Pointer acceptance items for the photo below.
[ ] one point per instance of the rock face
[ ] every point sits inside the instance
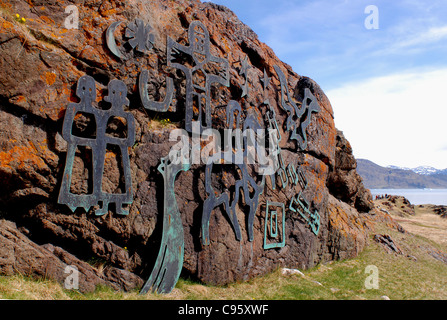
(344, 181)
(41, 61)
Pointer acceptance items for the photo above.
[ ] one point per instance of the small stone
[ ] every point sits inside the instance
(288, 272)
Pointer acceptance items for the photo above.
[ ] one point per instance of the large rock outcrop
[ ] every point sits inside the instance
(40, 63)
(344, 181)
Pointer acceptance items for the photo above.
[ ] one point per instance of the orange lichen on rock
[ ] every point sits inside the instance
(108, 12)
(50, 78)
(19, 157)
(7, 25)
(47, 20)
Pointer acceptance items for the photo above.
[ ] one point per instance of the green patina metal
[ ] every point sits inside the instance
(271, 229)
(294, 179)
(299, 204)
(169, 261)
(242, 185)
(86, 91)
(294, 122)
(198, 94)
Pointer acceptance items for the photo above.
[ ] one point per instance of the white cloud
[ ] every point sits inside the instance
(397, 119)
(416, 42)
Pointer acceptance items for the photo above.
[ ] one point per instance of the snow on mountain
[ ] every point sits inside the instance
(398, 168)
(424, 170)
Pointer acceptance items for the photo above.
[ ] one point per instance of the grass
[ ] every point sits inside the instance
(413, 275)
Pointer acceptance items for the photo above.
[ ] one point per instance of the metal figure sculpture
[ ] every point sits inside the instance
(162, 106)
(266, 81)
(111, 41)
(244, 72)
(212, 201)
(271, 229)
(294, 122)
(310, 105)
(300, 204)
(86, 91)
(117, 97)
(274, 134)
(140, 38)
(169, 261)
(243, 184)
(198, 76)
(250, 124)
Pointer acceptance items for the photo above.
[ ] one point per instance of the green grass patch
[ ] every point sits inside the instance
(412, 275)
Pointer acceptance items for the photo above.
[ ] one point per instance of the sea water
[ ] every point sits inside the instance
(416, 196)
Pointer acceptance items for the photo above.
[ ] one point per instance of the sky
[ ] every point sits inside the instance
(384, 71)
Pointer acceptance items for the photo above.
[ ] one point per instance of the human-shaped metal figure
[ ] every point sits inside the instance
(86, 91)
(117, 97)
(251, 124)
(198, 76)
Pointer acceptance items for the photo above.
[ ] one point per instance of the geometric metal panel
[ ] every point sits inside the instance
(271, 229)
(299, 204)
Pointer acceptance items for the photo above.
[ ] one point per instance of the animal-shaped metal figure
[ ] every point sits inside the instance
(294, 122)
(198, 76)
(86, 91)
(243, 184)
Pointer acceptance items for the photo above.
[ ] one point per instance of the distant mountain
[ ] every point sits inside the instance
(424, 170)
(377, 177)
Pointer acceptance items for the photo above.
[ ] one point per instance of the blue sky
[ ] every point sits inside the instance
(387, 86)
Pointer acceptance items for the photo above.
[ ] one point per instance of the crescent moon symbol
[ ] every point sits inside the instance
(111, 41)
